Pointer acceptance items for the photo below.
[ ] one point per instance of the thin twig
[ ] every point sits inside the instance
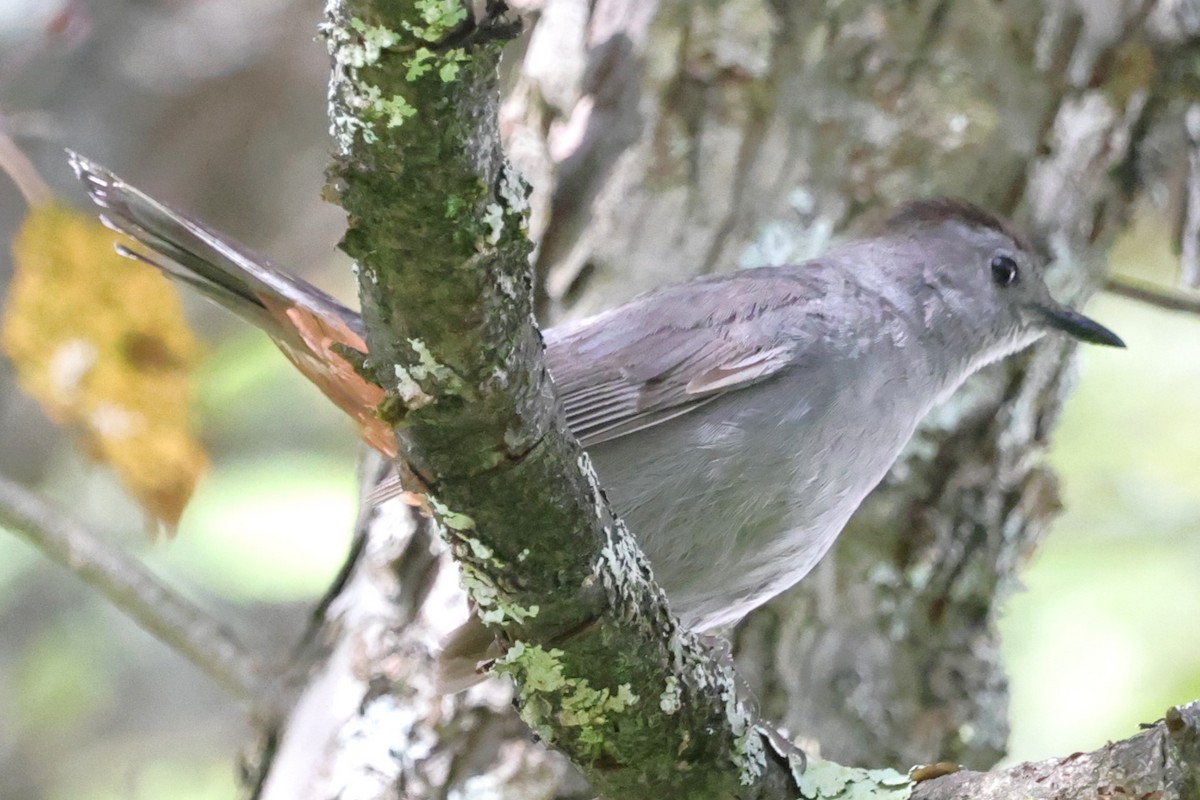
(1189, 235)
(20, 169)
(1152, 295)
(129, 586)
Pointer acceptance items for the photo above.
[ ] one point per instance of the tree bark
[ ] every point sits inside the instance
(769, 127)
(602, 671)
(746, 132)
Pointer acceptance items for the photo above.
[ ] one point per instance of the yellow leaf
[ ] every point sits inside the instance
(100, 341)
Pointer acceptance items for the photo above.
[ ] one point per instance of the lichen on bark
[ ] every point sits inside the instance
(437, 231)
(821, 129)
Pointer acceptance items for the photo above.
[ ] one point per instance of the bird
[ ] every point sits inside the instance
(735, 421)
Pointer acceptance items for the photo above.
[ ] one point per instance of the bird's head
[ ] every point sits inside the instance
(986, 271)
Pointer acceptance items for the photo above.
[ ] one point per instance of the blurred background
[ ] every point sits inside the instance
(219, 107)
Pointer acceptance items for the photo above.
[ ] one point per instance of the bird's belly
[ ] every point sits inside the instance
(731, 511)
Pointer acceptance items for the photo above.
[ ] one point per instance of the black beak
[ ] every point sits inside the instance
(1077, 325)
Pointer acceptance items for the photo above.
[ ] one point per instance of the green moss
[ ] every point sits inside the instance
(454, 206)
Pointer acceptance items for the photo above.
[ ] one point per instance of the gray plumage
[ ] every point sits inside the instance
(735, 422)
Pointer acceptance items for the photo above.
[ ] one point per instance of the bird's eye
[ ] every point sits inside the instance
(1004, 271)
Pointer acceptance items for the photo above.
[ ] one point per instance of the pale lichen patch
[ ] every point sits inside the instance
(825, 780)
(493, 217)
(478, 548)
(669, 700)
(586, 707)
(479, 587)
(539, 673)
(357, 105)
(750, 756)
(410, 391)
(418, 63)
(509, 612)
(424, 60)
(513, 190)
(494, 607)
(408, 379)
(508, 288)
(547, 693)
(541, 670)
(458, 523)
(622, 568)
(429, 367)
(392, 110)
(438, 18)
(374, 40)
(748, 753)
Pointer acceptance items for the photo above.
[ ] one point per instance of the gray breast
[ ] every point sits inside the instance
(738, 500)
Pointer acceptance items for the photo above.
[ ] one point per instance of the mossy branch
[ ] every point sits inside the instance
(437, 228)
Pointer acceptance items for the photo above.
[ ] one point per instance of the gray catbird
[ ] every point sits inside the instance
(736, 421)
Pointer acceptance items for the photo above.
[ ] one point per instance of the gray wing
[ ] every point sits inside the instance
(671, 352)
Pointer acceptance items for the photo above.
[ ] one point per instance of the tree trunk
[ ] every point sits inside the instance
(705, 136)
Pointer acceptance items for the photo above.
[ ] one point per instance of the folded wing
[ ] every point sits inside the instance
(667, 354)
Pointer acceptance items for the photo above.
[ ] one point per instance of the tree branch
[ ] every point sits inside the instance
(18, 167)
(1189, 232)
(1162, 761)
(437, 229)
(1149, 294)
(447, 339)
(127, 584)
(345, 737)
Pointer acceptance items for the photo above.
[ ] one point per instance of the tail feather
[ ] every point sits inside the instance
(222, 269)
(246, 307)
(303, 321)
(309, 326)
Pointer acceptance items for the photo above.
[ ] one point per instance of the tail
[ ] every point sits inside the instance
(309, 326)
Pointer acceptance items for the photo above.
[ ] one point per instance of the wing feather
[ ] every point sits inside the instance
(668, 354)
